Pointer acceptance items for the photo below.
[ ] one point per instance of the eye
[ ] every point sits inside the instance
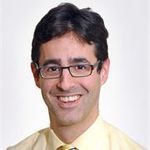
(81, 67)
(52, 69)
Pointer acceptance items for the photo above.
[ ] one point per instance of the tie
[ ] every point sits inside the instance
(66, 147)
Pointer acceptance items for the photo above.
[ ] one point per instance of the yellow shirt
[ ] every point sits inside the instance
(100, 136)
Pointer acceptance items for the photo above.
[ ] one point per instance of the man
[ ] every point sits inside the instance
(70, 64)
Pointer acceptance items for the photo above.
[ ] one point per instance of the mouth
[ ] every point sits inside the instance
(68, 101)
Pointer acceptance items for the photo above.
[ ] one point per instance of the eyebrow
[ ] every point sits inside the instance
(78, 60)
(51, 61)
(71, 60)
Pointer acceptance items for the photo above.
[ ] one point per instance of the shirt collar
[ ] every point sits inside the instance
(85, 140)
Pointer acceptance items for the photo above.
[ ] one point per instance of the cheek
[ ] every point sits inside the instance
(45, 86)
(92, 82)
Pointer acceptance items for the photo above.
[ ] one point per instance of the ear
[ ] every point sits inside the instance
(35, 74)
(104, 71)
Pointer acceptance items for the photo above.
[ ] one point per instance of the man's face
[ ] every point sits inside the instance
(70, 100)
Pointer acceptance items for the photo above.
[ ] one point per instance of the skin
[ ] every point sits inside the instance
(70, 119)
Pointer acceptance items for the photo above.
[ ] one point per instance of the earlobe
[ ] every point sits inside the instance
(35, 74)
(104, 71)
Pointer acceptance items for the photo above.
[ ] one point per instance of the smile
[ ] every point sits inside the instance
(68, 98)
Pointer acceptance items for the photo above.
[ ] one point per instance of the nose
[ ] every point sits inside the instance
(66, 81)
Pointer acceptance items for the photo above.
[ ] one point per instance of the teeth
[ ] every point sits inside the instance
(69, 98)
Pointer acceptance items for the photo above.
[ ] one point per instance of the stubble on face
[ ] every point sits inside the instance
(80, 100)
(65, 115)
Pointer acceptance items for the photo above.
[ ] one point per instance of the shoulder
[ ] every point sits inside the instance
(120, 140)
(29, 142)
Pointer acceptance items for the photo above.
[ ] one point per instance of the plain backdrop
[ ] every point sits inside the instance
(124, 98)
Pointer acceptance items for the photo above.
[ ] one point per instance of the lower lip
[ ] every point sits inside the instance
(69, 104)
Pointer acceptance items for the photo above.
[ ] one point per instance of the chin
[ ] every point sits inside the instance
(69, 121)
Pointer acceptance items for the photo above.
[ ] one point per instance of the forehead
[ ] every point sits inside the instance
(66, 48)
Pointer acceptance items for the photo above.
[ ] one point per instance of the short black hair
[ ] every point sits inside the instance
(86, 24)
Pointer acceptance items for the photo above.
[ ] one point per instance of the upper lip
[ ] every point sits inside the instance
(66, 95)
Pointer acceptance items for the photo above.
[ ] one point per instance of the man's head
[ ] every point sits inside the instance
(86, 24)
(70, 63)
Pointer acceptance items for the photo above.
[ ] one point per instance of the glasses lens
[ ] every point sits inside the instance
(50, 71)
(80, 70)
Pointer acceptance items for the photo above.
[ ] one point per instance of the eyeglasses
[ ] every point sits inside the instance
(54, 71)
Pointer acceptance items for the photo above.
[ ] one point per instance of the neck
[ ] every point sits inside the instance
(69, 133)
